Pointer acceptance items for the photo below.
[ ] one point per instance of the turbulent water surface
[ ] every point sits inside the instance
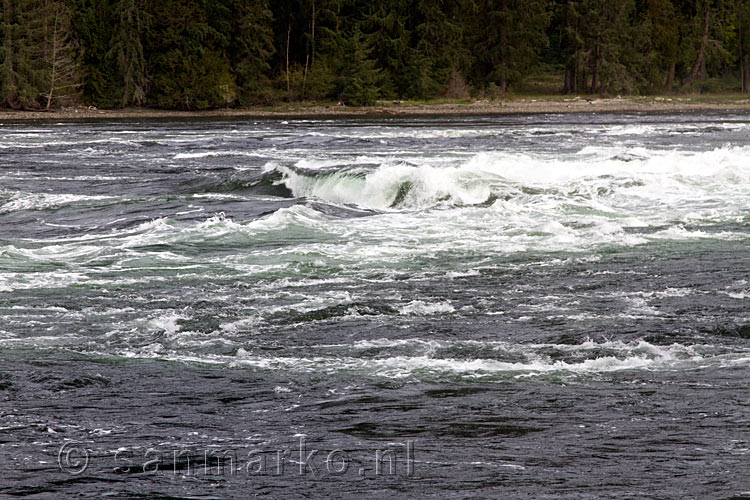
(485, 307)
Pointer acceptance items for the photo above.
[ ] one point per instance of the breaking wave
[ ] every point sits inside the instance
(426, 360)
(611, 180)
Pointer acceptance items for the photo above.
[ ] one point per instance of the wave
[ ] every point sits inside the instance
(387, 214)
(13, 202)
(424, 360)
(607, 179)
(211, 154)
(397, 186)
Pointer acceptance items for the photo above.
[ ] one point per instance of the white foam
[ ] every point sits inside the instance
(571, 202)
(166, 322)
(399, 185)
(410, 358)
(41, 201)
(209, 154)
(421, 308)
(241, 325)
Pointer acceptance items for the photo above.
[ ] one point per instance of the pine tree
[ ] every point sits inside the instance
(361, 77)
(509, 35)
(600, 41)
(571, 45)
(24, 50)
(705, 38)
(440, 50)
(335, 20)
(190, 69)
(127, 51)
(661, 50)
(8, 76)
(742, 12)
(614, 63)
(63, 76)
(94, 22)
(38, 54)
(250, 47)
(389, 39)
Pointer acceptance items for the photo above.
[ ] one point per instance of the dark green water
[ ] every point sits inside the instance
(516, 307)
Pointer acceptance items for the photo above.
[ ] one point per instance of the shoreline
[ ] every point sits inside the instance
(516, 106)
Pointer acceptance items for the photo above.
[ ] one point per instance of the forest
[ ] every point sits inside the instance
(200, 54)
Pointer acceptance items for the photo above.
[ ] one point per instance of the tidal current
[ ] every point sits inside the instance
(547, 306)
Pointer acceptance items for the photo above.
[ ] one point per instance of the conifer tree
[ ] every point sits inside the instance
(360, 83)
(705, 38)
(440, 47)
(63, 75)
(389, 40)
(38, 55)
(8, 75)
(509, 35)
(571, 45)
(190, 69)
(127, 50)
(609, 45)
(93, 23)
(208, 53)
(742, 12)
(661, 47)
(24, 52)
(250, 47)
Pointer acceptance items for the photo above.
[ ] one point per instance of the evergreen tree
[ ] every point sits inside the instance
(361, 77)
(661, 47)
(571, 44)
(389, 40)
(509, 35)
(207, 53)
(93, 23)
(8, 75)
(250, 47)
(742, 12)
(62, 72)
(24, 49)
(189, 69)
(334, 21)
(38, 56)
(441, 49)
(705, 38)
(610, 44)
(127, 51)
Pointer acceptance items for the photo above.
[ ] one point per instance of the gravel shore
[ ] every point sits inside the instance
(571, 105)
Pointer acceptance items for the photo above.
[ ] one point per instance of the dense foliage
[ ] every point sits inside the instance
(196, 54)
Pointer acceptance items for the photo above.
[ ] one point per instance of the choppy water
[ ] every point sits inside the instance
(516, 307)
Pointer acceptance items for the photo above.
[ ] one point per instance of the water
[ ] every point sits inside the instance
(549, 306)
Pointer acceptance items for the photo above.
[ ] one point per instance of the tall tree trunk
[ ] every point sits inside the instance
(312, 34)
(700, 59)
(53, 69)
(304, 77)
(595, 69)
(703, 73)
(670, 77)
(569, 86)
(8, 80)
(47, 39)
(744, 56)
(288, 39)
(582, 78)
